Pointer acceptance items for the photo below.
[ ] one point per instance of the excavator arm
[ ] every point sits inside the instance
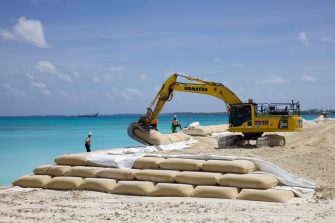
(198, 86)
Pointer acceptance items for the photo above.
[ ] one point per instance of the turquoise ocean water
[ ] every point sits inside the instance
(27, 142)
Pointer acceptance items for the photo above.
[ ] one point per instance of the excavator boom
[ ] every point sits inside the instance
(214, 89)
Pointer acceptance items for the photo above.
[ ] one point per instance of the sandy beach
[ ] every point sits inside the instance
(309, 154)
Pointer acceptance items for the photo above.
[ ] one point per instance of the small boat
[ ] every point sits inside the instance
(89, 115)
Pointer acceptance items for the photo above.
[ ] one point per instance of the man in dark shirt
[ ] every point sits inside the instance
(88, 142)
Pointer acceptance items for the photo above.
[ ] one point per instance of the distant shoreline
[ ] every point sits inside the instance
(305, 112)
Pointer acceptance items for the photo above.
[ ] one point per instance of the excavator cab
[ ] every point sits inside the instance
(240, 114)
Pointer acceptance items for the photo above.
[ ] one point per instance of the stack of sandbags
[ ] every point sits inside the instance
(205, 130)
(154, 137)
(151, 176)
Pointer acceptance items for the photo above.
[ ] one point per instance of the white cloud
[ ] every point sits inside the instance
(327, 39)
(106, 78)
(29, 76)
(63, 93)
(116, 69)
(217, 59)
(96, 80)
(13, 91)
(76, 74)
(125, 94)
(144, 77)
(41, 87)
(274, 79)
(308, 78)
(45, 66)
(25, 30)
(131, 93)
(239, 65)
(303, 38)
(64, 77)
(157, 88)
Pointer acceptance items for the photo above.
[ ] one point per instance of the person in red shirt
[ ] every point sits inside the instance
(154, 124)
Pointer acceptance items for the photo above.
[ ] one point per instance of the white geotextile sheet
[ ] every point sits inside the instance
(298, 185)
(125, 157)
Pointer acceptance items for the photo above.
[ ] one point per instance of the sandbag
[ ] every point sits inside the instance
(181, 164)
(64, 183)
(198, 178)
(98, 184)
(197, 131)
(178, 137)
(118, 174)
(205, 130)
(249, 181)
(161, 176)
(215, 192)
(142, 188)
(153, 137)
(229, 166)
(182, 136)
(36, 181)
(78, 159)
(147, 163)
(172, 190)
(83, 171)
(52, 170)
(270, 195)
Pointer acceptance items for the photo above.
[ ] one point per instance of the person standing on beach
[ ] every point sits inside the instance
(88, 142)
(175, 124)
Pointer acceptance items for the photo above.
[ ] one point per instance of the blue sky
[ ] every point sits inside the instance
(70, 57)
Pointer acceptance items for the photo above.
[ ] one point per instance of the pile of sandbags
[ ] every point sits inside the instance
(205, 130)
(151, 176)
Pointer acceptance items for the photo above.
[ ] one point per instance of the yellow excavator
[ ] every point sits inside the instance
(250, 119)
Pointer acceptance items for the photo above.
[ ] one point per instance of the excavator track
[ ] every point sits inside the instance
(231, 141)
(271, 140)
